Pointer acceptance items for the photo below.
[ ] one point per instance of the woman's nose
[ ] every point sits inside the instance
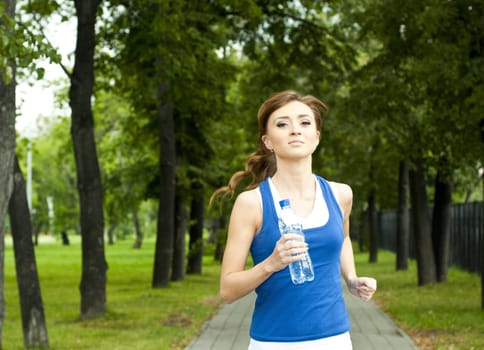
(295, 130)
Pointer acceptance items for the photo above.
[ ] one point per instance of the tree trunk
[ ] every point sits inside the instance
(178, 272)
(220, 238)
(111, 230)
(403, 219)
(363, 230)
(2, 283)
(421, 224)
(482, 230)
(137, 230)
(32, 309)
(482, 240)
(213, 229)
(94, 266)
(7, 156)
(441, 220)
(166, 208)
(373, 223)
(481, 125)
(197, 210)
(65, 238)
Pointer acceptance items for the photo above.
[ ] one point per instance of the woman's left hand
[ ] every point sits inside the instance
(362, 287)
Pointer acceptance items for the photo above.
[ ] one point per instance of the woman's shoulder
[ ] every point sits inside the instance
(248, 200)
(247, 208)
(341, 189)
(343, 194)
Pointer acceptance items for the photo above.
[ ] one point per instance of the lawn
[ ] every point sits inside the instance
(138, 316)
(440, 316)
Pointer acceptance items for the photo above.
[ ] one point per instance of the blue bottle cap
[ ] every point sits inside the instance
(284, 203)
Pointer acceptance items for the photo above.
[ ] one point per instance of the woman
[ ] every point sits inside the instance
(311, 315)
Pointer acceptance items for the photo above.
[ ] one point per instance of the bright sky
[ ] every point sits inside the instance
(36, 100)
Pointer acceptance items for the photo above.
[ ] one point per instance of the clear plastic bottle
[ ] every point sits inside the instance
(301, 270)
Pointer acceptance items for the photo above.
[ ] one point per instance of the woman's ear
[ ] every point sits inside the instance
(267, 142)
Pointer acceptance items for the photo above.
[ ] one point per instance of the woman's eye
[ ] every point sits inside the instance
(306, 122)
(281, 124)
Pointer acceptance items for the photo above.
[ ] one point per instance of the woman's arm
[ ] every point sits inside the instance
(362, 287)
(245, 221)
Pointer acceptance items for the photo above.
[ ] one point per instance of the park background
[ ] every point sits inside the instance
(157, 108)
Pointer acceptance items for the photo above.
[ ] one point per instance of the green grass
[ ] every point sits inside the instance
(439, 316)
(137, 317)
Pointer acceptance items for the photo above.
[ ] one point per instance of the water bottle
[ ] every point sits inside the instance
(301, 270)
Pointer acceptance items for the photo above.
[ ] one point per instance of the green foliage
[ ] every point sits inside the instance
(124, 189)
(378, 67)
(7, 27)
(42, 8)
(22, 40)
(54, 171)
(411, 89)
(370, 62)
(295, 47)
(53, 176)
(178, 45)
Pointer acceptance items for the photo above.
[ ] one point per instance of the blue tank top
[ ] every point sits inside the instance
(286, 312)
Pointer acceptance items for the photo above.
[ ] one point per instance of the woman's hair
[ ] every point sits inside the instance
(262, 162)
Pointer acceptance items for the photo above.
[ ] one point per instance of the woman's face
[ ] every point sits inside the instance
(292, 131)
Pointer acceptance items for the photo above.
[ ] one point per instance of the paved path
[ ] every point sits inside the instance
(371, 329)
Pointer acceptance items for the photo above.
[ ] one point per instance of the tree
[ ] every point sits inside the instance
(124, 157)
(403, 222)
(373, 219)
(441, 220)
(32, 309)
(7, 135)
(165, 236)
(94, 266)
(175, 86)
(178, 271)
(52, 149)
(425, 57)
(197, 209)
(422, 228)
(20, 45)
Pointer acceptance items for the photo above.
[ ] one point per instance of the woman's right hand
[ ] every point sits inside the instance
(289, 248)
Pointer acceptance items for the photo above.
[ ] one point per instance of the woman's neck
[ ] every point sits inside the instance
(300, 189)
(294, 181)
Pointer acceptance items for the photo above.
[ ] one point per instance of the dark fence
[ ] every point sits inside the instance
(466, 235)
